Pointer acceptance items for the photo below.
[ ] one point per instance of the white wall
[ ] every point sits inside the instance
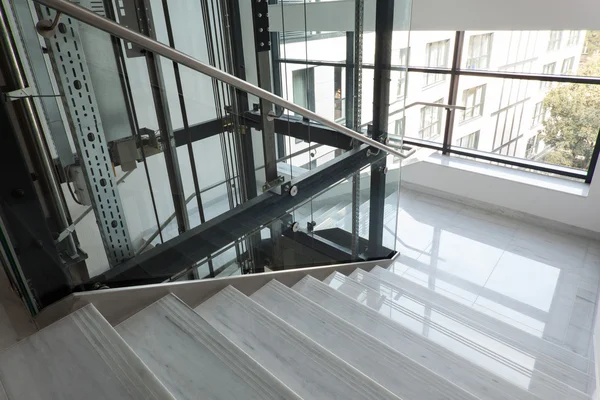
(579, 211)
(438, 15)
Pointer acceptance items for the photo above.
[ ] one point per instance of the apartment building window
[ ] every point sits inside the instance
(431, 121)
(539, 114)
(399, 126)
(555, 39)
(470, 141)
(533, 147)
(548, 69)
(567, 66)
(473, 99)
(479, 51)
(437, 57)
(573, 38)
(338, 97)
(303, 86)
(401, 57)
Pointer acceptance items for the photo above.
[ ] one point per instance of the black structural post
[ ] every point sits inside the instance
(453, 93)
(384, 17)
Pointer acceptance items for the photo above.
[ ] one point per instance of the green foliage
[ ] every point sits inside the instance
(592, 42)
(572, 125)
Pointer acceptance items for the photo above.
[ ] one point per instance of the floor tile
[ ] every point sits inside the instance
(525, 280)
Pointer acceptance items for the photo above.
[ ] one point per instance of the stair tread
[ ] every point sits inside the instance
(78, 357)
(443, 362)
(510, 363)
(192, 358)
(305, 367)
(399, 374)
(532, 342)
(542, 350)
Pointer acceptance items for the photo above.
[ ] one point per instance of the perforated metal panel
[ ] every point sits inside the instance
(76, 86)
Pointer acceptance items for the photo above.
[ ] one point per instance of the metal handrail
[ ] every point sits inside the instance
(113, 28)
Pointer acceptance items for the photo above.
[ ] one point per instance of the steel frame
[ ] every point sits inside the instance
(90, 138)
(174, 256)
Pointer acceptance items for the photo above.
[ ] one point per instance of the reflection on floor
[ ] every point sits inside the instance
(542, 281)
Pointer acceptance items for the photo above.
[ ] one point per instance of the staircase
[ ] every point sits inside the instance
(368, 335)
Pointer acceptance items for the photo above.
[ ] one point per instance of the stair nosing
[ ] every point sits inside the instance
(301, 342)
(406, 334)
(550, 381)
(340, 327)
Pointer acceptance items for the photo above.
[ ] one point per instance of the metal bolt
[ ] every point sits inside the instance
(259, 15)
(260, 29)
(294, 191)
(261, 44)
(295, 227)
(269, 42)
(383, 170)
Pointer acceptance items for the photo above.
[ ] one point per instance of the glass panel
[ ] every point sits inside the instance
(195, 148)
(555, 124)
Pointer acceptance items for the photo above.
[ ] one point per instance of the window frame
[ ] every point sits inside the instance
(487, 47)
(454, 73)
(437, 122)
(434, 79)
(555, 40)
(474, 105)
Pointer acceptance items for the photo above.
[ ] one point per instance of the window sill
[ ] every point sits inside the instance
(554, 183)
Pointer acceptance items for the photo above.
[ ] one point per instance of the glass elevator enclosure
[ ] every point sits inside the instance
(131, 166)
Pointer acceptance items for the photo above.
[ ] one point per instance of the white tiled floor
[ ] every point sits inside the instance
(543, 281)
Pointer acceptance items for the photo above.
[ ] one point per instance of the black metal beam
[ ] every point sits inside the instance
(177, 254)
(453, 91)
(294, 126)
(384, 22)
(199, 131)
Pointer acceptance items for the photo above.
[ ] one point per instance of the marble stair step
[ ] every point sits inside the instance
(550, 359)
(438, 359)
(486, 351)
(402, 376)
(535, 344)
(78, 357)
(193, 359)
(301, 364)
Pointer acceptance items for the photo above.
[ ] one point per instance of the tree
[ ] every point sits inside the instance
(592, 42)
(571, 127)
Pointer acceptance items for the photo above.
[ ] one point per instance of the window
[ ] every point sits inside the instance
(533, 147)
(401, 58)
(567, 66)
(431, 121)
(437, 57)
(399, 126)
(473, 100)
(338, 98)
(470, 141)
(547, 70)
(539, 114)
(573, 38)
(479, 51)
(303, 82)
(555, 39)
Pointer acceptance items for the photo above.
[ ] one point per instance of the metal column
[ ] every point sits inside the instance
(384, 17)
(163, 118)
(72, 68)
(262, 42)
